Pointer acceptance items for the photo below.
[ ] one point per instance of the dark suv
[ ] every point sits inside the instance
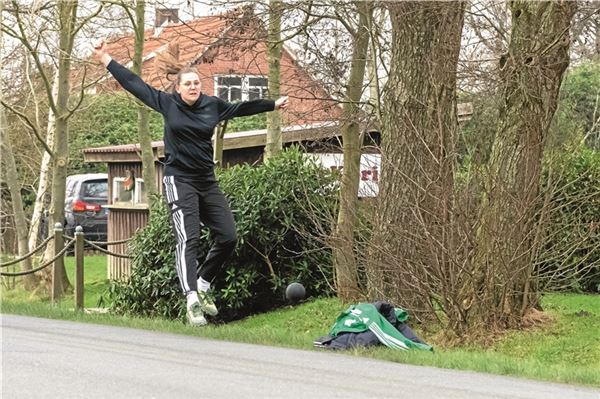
(86, 194)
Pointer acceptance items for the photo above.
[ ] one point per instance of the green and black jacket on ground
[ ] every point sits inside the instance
(369, 324)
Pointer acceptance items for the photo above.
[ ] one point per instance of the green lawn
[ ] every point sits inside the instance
(566, 351)
(95, 277)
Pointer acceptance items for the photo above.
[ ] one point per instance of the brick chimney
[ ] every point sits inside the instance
(168, 15)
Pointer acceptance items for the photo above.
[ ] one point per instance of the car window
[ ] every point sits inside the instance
(70, 186)
(95, 189)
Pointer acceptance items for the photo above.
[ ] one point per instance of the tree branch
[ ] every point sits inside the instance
(28, 123)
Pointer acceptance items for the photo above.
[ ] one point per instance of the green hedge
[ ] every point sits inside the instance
(282, 209)
(571, 257)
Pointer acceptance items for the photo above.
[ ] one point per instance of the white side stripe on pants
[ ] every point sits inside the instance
(179, 224)
(170, 189)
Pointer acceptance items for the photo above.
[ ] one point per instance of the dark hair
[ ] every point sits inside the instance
(167, 63)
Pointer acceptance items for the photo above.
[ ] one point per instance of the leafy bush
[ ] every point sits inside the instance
(571, 259)
(252, 122)
(282, 210)
(579, 96)
(153, 289)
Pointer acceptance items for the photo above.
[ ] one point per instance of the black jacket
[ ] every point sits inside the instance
(188, 128)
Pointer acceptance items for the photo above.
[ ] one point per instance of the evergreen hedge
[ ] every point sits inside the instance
(571, 256)
(283, 209)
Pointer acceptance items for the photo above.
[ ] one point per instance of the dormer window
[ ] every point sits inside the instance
(240, 88)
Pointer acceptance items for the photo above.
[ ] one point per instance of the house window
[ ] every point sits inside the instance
(257, 88)
(240, 88)
(125, 193)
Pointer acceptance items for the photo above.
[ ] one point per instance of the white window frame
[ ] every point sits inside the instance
(138, 198)
(244, 88)
(136, 194)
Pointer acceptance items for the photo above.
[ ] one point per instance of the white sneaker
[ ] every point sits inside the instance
(195, 315)
(207, 304)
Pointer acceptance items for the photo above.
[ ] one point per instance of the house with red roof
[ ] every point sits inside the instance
(230, 53)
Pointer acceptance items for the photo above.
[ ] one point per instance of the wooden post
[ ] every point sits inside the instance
(59, 265)
(79, 238)
(218, 145)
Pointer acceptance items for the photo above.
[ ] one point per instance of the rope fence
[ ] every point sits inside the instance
(45, 265)
(99, 248)
(60, 248)
(109, 243)
(22, 258)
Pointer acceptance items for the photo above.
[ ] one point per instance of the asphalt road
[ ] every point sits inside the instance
(59, 359)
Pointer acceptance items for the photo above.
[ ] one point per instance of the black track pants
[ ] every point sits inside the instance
(193, 202)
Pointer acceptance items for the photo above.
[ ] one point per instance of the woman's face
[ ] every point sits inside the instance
(189, 87)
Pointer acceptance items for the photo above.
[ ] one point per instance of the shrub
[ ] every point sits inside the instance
(153, 288)
(252, 122)
(283, 209)
(571, 256)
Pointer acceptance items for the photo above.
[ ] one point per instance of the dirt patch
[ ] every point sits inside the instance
(486, 335)
(535, 318)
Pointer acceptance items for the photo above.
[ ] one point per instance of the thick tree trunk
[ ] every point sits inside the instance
(67, 13)
(148, 168)
(532, 72)
(274, 145)
(344, 257)
(413, 237)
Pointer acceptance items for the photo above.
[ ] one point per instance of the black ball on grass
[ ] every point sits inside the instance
(295, 292)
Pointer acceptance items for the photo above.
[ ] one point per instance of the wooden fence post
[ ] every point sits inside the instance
(58, 265)
(79, 239)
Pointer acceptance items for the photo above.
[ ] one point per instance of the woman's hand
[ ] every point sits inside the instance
(99, 52)
(281, 102)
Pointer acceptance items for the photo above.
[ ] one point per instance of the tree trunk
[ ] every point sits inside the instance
(67, 14)
(148, 167)
(344, 258)
(373, 64)
(30, 281)
(413, 236)
(531, 73)
(41, 198)
(274, 145)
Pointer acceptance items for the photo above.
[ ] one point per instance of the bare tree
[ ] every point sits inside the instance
(148, 167)
(507, 244)
(274, 43)
(585, 31)
(65, 13)
(10, 174)
(413, 238)
(41, 200)
(344, 256)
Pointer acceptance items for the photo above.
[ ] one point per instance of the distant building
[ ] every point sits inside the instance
(229, 52)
